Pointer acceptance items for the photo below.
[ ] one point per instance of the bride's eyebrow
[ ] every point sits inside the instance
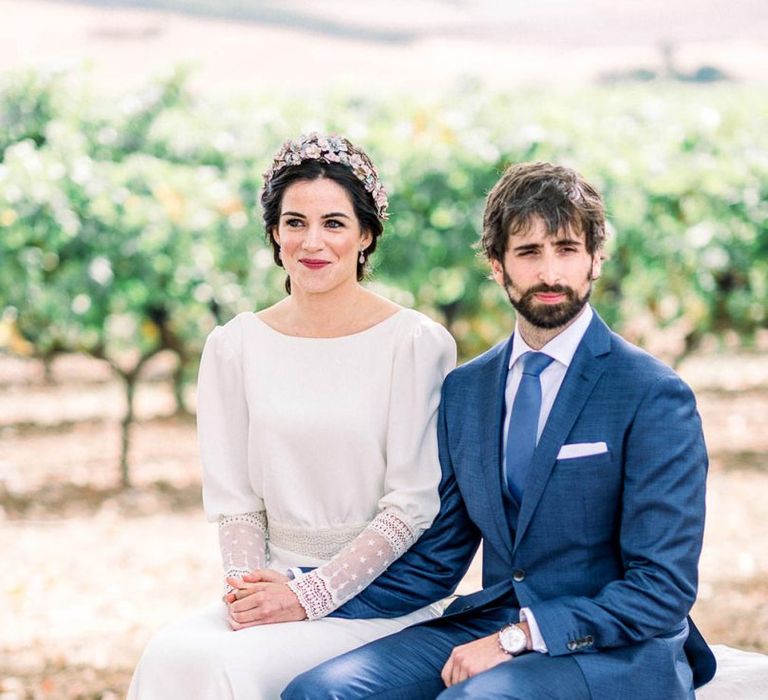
(333, 214)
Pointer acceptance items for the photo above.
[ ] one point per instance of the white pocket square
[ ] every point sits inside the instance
(582, 449)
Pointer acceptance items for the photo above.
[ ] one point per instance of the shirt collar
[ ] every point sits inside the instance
(562, 347)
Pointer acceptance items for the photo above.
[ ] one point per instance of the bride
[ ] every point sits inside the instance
(316, 423)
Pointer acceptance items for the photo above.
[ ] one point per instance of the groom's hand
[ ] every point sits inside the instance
(470, 659)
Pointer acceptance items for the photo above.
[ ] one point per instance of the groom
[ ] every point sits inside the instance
(580, 461)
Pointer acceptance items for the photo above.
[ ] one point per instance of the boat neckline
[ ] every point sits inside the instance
(356, 334)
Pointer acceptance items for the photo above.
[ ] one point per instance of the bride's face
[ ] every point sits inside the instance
(319, 236)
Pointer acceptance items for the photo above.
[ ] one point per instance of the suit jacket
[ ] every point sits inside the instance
(604, 548)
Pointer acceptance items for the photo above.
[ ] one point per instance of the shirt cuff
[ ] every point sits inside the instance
(293, 572)
(537, 641)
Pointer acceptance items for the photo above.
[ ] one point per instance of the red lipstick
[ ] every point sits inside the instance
(313, 264)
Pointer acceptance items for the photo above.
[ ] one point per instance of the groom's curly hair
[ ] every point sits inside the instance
(558, 195)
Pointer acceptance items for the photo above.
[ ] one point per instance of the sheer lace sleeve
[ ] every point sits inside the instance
(385, 539)
(243, 542)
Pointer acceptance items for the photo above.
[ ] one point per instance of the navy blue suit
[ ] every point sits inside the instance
(603, 549)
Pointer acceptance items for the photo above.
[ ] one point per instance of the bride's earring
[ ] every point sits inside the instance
(361, 259)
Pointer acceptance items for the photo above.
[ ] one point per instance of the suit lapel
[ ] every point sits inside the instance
(580, 379)
(492, 407)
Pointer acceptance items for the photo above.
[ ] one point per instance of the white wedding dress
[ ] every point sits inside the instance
(316, 452)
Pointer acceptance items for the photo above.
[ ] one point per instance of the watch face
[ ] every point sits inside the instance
(512, 639)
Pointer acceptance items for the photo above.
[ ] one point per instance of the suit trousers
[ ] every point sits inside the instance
(407, 666)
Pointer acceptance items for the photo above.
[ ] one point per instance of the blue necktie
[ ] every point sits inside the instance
(524, 422)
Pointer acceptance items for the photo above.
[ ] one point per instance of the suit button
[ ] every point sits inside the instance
(518, 575)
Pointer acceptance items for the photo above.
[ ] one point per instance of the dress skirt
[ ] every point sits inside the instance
(200, 657)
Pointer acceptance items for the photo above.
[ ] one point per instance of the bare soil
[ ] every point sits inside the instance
(90, 571)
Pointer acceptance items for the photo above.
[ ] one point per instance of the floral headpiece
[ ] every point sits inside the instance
(331, 149)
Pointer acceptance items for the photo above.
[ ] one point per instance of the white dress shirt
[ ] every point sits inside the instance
(562, 349)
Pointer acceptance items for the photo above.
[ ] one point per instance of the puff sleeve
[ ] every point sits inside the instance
(222, 428)
(410, 501)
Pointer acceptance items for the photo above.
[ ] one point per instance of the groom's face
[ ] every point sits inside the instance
(547, 277)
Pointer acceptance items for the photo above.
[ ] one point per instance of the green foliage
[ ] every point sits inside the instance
(684, 173)
(115, 257)
(26, 107)
(110, 250)
(131, 226)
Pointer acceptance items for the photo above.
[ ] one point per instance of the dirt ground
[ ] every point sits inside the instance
(89, 571)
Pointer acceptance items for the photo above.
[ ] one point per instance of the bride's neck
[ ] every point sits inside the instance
(338, 312)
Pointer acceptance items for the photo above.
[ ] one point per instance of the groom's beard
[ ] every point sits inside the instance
(546, 315)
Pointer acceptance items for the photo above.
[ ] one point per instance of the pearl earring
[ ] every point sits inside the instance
(361, 259)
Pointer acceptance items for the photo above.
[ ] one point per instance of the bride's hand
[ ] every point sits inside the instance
(266, 575)
(263, 603)
(256, 576)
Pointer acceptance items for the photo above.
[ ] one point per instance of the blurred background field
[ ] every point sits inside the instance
(90, 570)
(132, 142)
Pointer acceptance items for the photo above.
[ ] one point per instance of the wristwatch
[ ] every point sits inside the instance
(512, 640)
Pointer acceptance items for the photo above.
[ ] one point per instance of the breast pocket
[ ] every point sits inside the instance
(582, 462)
(585, 491)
